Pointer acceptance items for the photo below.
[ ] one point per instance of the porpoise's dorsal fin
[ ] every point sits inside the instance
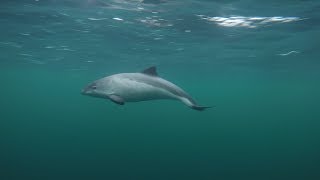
(151, 71)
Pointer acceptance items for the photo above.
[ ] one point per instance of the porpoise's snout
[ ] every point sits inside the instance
(86, 90)
(83, 91)
(89, 89)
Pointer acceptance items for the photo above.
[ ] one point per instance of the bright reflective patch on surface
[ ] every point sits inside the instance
(288, 53)
(155, 21)
(117, 19)
(96, 19)
(248, 22)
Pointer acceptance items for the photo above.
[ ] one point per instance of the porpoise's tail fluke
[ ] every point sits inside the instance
(200, 108)
(193, 105)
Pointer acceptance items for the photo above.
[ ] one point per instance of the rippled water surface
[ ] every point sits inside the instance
(257, 63)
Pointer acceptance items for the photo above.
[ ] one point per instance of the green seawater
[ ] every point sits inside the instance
(261, 76)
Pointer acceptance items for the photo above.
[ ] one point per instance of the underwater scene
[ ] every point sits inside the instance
(159, 90)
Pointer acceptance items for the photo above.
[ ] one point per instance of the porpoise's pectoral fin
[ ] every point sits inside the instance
(200, 108)
(151, 71)
(116, 99)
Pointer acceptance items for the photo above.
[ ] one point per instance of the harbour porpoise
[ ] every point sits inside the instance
(140, 86)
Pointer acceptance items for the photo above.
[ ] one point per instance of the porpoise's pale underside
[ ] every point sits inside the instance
(141, 86)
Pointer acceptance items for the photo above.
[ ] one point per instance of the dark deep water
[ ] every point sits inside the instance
(257, 62)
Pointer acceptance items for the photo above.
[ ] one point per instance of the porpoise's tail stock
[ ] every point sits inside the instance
(200, 108)
(192, 104)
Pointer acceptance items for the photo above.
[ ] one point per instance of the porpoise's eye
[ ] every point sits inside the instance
(93, 86)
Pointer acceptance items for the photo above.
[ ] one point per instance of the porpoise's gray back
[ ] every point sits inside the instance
(158, 82)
